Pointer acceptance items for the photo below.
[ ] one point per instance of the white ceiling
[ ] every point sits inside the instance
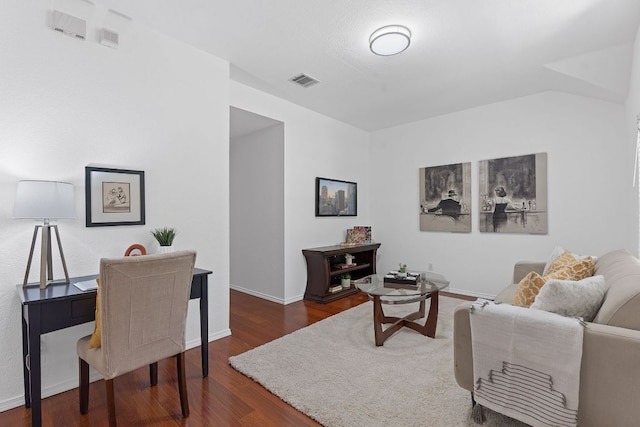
(463, 53)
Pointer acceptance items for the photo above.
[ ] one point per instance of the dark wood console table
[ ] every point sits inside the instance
(323, 269)
(61, 306)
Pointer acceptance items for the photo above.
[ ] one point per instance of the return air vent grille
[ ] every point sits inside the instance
(109, 38)
(69, 25)
(304, 80)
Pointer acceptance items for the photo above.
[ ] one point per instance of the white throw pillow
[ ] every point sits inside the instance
(573, 299)
(559, 250)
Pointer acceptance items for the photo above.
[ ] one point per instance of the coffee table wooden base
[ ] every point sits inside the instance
(428, 329)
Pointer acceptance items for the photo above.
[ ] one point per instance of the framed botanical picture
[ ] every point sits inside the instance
(114, 197)
(336, 198)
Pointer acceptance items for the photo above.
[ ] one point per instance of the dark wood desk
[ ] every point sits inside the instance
(60, 306)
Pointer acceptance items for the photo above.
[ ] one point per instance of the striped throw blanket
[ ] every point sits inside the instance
(526, 363)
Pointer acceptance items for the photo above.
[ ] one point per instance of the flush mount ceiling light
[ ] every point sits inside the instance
(390, 40)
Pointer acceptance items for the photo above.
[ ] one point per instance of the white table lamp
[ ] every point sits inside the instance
(45, 200)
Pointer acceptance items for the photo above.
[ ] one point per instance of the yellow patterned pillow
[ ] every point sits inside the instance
(564, 260)
(529, 287)
(96, 337)
(557, 252)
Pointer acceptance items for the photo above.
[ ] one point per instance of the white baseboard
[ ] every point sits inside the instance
(257, 294)
(14, 402)
(212, 337)
(470, 293)
(294, 299)
(51, 390)
(266, 296)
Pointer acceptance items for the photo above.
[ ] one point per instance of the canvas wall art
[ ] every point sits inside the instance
(445, 198)
(513, 194)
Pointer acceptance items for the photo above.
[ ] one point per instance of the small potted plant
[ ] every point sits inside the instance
(165, 237)
(345, 281)
(402, 271)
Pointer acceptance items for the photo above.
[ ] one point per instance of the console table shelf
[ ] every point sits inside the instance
(323, 270)
(349, 270)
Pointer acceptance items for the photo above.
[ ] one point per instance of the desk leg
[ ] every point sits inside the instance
(34, 364)
(204, 327)
(25, 361)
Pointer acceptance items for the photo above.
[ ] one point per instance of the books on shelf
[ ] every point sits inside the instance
(335, 288)
(342, 266)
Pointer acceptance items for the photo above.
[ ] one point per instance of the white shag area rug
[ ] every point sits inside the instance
(333, 372)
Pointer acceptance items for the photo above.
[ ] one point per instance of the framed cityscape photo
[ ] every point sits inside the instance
(336, 198)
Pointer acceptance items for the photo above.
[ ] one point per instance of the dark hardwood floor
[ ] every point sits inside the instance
(224, 398)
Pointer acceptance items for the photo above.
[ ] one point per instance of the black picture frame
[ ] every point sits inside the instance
(336, 197)
(114, 197)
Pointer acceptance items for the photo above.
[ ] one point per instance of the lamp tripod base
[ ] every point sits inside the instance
(46, 262)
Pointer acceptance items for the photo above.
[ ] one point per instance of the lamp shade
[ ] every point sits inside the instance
(44, 200)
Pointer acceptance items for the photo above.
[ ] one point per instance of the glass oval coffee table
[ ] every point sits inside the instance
(427, 285)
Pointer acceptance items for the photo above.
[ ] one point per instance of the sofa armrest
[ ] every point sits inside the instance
(609, 376)
(462, 352)
(522, 268)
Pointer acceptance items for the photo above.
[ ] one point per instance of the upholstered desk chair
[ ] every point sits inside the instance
(141, 317)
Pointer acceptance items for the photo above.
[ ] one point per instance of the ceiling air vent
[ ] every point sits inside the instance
(304, 80)
(109, 38)
(69, 25)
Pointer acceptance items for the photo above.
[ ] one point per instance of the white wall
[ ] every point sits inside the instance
(631, 124)
(592, 204)
(256, 208)
(160, 106)
(153, 104)
(314, 145)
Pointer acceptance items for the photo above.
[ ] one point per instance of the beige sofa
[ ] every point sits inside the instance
(610, 371)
